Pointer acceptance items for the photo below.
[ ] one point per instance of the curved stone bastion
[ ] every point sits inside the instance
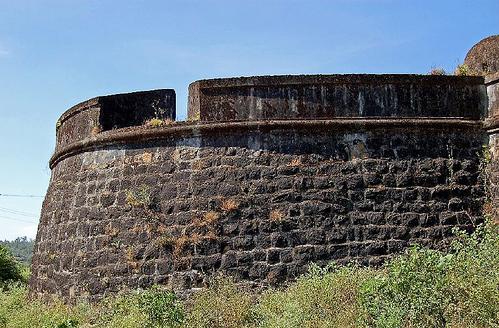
(267, 175)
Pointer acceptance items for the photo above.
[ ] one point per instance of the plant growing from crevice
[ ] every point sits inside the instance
(208, 219)
(437, 71)
(141, 197)
(164, 240)
(277, 215)
(157, 122)
(295, 162)
(95, 131)
(462, 70)
(131, 258)
(203, 228)
(229, 205)
(117, 244)
(111, 231)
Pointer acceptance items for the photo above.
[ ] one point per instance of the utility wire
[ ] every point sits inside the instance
(25, 196)
(20, 220)
(16, 212)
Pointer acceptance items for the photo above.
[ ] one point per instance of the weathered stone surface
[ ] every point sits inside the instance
(316, 204)
(492, 83)
(104, 113)
(492, 155)
(329, 96)
(483, 58)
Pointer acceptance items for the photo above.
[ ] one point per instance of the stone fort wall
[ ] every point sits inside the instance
(266, 176)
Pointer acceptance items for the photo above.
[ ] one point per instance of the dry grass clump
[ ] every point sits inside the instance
(131, 258)
(95, 131)
(164, 240)
(229, 205)
(130, 254)
(179, 245)
(208, 219)
(157, 122)
(111, 231)
(437, 71)
(277, 215)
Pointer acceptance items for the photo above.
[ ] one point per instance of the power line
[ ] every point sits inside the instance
(20, 220)
(25, 196)
(16, 212)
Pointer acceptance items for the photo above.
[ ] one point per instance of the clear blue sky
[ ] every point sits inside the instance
(54, 54)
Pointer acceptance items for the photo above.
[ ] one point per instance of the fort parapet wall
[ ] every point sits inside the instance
(268, 175)
(334, 96)
(99, 114)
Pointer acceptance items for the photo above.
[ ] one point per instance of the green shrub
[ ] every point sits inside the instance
(409, 292)
(473, 279)
(17, 311)
(325, 297)
(10, 270)
(151, 308)
(163, 309)
(427, 288)
(121, 311)
(220, 305)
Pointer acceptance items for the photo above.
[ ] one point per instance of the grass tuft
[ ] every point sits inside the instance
(157, 122)
(229, 205)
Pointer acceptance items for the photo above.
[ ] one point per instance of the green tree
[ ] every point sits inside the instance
(9, 269)
(21, 248)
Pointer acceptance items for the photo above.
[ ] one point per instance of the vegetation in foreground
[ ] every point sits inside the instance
(21, 248)
(422, 288)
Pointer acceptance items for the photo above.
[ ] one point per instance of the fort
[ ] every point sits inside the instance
(267, 175)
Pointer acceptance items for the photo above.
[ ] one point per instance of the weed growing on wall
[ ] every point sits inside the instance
(229, 205)
(277, 215)
(140, 198)
(462, 70)
(437, 71)
(157, 122)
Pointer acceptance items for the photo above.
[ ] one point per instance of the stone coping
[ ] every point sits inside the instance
(136, 134)
(276, 80)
